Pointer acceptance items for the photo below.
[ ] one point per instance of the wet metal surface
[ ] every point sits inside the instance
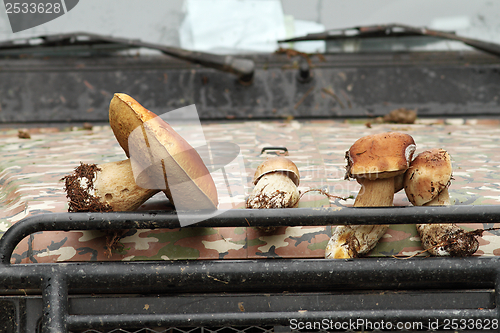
(338, 86)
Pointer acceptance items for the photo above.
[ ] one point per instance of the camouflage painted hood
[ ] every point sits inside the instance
(31, 169)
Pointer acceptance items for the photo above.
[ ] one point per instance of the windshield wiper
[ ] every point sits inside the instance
(394, 30)
(242, 68)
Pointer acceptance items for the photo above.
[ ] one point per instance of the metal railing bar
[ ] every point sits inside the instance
(245, 218)
(258, 275)
(275, 318)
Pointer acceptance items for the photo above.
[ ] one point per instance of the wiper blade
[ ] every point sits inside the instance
(394, 30)
(242, 68)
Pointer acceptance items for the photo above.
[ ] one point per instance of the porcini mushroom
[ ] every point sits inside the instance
(377, 163)
(159, 159)
(426, 183)
(105, 187)
(276, 181)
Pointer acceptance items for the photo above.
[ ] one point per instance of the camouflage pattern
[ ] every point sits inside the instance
(31, 169)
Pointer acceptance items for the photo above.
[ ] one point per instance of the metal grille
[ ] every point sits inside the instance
(100, 297)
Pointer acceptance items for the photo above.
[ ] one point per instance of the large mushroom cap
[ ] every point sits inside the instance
(430, 173)
(125, 115)
(156, 148)
(277, 164)
(381, 155)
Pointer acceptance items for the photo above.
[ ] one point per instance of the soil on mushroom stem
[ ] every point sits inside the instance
(80, 197)
(460, 243)
(278, 199)
(81, 200)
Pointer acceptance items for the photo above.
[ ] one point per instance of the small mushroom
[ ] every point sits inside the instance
(377, 162)
(158, 153)
(426, 183)
(276, 181)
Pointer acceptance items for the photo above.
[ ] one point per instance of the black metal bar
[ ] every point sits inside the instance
(245, 218)
(276, 318)
(55, 303)
(277, 275)
(231, 277)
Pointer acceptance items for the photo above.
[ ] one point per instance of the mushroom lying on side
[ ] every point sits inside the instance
(426, 183)
(158, 152)
(276, 181)
(104, 188)
(377, 163)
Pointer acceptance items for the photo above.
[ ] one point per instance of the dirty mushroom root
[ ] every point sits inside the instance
(104, 188)
(447, 239)
(276, 181)
(377, 163)
(426, 183)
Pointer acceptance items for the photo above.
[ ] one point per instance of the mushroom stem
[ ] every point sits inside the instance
(377, 192)
(349, 241)
(274, 190)
(453, 239)
(105, 187)
(399, 183)
(426, 184)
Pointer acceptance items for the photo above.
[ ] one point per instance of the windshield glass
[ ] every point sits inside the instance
(253, 26)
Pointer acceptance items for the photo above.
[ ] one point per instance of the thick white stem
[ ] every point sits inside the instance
(352, 241)
(375, 193)
(105, 187)
(115, 184)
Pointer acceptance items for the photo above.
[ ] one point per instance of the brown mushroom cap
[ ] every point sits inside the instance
(381, 155)
(125, 115)
(277, 164)
(177, 169)
(430, 173)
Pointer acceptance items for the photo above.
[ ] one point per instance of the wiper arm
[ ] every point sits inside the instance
(394, 30)
(242, 68)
